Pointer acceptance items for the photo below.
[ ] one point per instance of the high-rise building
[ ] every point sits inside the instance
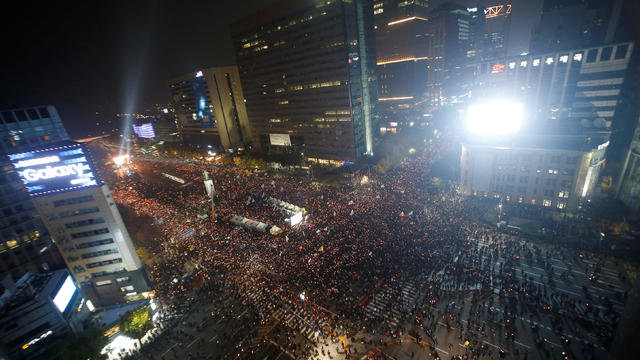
(401, 45)
(210, 107)
(25, 243)
(83, 219)
(497, 29)
(308, 71)
(447, 46)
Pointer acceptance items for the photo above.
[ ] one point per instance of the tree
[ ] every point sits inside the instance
(136, 323)
(85, 345)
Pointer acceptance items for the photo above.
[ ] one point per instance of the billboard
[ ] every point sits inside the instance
(54, 169)
(144, 131)
(280, 139)
(64, 295)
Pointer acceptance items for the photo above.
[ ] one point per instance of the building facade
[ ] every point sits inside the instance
(38, 311)
(554, 178)
(25, 244)
(308, 71)
(449, 38)
(83, 219)
(574, 91)
(210, 107)
(401, 45)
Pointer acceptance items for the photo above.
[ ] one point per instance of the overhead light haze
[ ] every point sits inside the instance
(495, 118)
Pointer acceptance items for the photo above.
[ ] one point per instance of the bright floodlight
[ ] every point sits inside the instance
(497, 118)
(121, 160)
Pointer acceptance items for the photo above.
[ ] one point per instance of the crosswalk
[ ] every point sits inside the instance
(385, 304)
(291, 315)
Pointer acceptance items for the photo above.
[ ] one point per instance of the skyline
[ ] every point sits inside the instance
(118, 57)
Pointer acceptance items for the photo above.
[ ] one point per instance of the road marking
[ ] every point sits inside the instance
(437, 348)
(521, 344)
(193, 342)
(213, 338)
(169, 349)
(488, 343)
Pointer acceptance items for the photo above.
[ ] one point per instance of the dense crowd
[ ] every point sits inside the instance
(354, 237)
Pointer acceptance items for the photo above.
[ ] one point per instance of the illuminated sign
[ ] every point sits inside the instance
(523, 63)
(549, 61)
(64, 295)
(280, 139)
(498, 10)
(564, 58)
(44, 335)
(144, 131)
(199, 74)
(536, 62)
(497, 68)
(577, 57)
(512, 65)
(58, 168)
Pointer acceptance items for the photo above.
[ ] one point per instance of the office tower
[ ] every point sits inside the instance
(37, 312)
(25, 243)
(447, 47)
(497, 29)
(308, 71)
(210, 107)
(81, 216)
(401, 45)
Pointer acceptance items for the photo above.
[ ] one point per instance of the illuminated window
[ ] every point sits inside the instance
(533, 201)
(563, 194)
(561, 205)
(283, 102)
(523, 63)
(549, 61)
(536, 62)
(564, 58)
(546, 203)
(12, 243)
(577, 57)
(520, 199)
(512, 65)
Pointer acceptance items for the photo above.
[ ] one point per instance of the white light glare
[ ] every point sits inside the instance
(495, 118)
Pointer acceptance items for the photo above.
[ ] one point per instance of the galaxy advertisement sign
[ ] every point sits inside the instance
(55, 169)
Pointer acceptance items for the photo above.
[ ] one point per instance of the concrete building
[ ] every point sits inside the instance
(308, 71)
(210, 107)
(83, 220)
(25, 244)
(38, 311)
(558, 177)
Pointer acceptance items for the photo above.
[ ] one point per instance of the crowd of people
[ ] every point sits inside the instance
(354, 238)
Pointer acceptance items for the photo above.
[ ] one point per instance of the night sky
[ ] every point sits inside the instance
(110, 56)
(116, 56)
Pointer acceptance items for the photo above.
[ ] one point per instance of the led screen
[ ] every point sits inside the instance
(63, 297)
(144, 131)
(280, 139)
(54, 169)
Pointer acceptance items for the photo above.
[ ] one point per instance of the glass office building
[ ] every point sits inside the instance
(25, 244)
(308, 72)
